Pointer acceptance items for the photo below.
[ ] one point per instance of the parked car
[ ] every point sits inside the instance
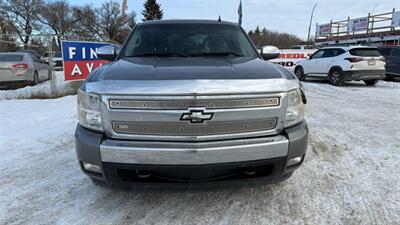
(190, 104)
(18, 68)
(341, 64)
(392, 56)
(56, 58)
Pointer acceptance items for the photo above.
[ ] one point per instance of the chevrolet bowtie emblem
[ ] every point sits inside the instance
(196, 116)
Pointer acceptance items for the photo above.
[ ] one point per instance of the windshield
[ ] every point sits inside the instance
(188, 40)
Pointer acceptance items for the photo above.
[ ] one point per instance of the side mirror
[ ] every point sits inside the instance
(107, 52)
(269, 52)
(308, 57)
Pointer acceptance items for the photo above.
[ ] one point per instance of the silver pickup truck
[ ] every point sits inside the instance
(190, 104)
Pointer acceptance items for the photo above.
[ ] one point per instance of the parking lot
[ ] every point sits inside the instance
(350, 176)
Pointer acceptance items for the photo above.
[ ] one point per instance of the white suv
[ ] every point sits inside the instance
(340, 64)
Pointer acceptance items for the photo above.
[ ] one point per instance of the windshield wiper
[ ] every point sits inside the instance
(217, 54)
(168, 54)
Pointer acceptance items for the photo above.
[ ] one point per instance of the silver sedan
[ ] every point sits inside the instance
(21, 68)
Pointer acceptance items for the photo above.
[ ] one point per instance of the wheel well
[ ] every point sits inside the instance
(335, 67)
(298, 67)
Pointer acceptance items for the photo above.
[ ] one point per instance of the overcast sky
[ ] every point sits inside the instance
(290, 16)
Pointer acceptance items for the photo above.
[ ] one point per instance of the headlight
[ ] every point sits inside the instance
(89, 111)
(295, 109)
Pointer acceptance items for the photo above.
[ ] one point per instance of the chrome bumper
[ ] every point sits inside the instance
(186, 153)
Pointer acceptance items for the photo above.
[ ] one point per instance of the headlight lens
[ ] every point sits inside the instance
(89, 111)
(295, 109)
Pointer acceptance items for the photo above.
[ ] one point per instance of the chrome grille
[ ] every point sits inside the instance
(184, 104)
(185, 129)
(176, 118)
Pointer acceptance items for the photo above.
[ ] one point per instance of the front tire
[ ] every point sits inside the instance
(300, 73)
(370, 82)
(336, 77)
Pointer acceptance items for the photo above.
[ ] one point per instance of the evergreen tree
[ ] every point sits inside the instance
(152, 10)
(257, 36)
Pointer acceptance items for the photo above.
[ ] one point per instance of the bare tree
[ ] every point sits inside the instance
(38, 44)
(267, 37)
(59, 17)
(129, 24)
(106, 23)
(87, 25)
(110, 19)
(7, 40)
(113, 24)
(22, 16)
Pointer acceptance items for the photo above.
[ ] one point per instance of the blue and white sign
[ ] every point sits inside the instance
(80, 58)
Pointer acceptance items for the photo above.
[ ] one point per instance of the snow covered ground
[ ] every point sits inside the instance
(351, 174)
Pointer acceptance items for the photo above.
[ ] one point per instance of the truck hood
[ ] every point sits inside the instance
(189, 76)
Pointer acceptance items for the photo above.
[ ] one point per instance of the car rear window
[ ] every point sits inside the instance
(371, 52)
(10, 57)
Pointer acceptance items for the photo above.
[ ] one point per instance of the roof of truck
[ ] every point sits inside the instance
(187, 21)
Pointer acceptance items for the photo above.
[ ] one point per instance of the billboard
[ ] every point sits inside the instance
(80, 58)
(396, 19)
(323, 30)
(359, 24)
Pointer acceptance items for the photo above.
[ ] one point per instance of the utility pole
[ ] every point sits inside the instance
(309, 27)
(53, 86)
(123, 8)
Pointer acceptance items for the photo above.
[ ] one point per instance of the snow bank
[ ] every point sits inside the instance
(42, 90)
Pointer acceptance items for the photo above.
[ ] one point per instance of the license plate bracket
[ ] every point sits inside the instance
(371, 62)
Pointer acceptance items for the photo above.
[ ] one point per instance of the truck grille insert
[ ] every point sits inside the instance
(184, 104)
(197, 117)
(185, 129)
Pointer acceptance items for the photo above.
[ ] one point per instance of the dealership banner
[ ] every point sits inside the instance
(359, 24)
(289, 57)
(396, 19)
(323, 30)
(80, 58)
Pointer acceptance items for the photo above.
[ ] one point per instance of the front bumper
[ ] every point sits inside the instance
(191, 165)
(364, 75)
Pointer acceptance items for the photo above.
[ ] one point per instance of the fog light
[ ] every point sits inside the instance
(91, 167)
(294, 161)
